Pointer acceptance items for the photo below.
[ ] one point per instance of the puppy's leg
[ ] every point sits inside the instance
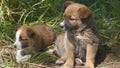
(61, 60)
(91, 53)
(69, 55)
(60, 52)
(69, 47)
(59, 49)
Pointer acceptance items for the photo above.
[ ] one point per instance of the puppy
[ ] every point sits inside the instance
(59, 51)
(32, 39)
(80, 41)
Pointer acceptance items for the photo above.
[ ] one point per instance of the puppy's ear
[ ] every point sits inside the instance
(84, 12)
(66, 4)
(30, 32)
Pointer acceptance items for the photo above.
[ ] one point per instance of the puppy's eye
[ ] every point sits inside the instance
(23, 38)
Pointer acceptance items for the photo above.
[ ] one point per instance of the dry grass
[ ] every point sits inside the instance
(38, 60)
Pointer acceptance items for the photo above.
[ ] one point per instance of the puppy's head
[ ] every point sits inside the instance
(74, 13)
(24, 37)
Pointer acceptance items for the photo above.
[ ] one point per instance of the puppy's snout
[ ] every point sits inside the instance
(62, 25)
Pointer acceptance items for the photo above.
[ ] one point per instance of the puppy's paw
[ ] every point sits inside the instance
(21, 58)
(50, 51)
(78, 61)
(66, 66)
(60, 61)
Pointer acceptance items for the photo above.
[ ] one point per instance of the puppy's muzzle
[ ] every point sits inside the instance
(15, 46)
(62, 25)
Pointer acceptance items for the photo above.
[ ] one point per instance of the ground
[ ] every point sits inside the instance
(7, 60)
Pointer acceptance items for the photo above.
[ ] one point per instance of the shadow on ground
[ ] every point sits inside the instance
(103, 51)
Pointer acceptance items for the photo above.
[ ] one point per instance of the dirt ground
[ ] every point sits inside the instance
(108, 61)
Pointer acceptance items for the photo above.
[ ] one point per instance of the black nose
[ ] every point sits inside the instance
(61, 26)
(14, 46)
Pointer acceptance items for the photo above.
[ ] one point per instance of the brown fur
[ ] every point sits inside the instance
(36, 38)
(80, 39)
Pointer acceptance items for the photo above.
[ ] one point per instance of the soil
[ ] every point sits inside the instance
(110, 61)
(106, 60)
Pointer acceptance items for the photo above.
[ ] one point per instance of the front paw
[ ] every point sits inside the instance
(60, 61)
(67, 66)
(78, 61)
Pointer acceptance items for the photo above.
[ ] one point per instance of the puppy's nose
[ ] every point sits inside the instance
(61, 26)
(14, 46)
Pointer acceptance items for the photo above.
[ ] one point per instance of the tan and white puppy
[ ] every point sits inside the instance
(32, 39)
(80, 41)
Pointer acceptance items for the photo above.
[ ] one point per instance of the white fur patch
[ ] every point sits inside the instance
(62, 23)
(50, 51)
(17, 41)
(20, 58)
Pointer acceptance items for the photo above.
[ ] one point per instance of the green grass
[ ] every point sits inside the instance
(29, 12)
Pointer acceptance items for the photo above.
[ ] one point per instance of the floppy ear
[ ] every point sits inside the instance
(84, 12)
(30, 32)
(66, 4)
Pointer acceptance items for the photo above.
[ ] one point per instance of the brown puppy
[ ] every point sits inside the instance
(80, 39)
(32, 39)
